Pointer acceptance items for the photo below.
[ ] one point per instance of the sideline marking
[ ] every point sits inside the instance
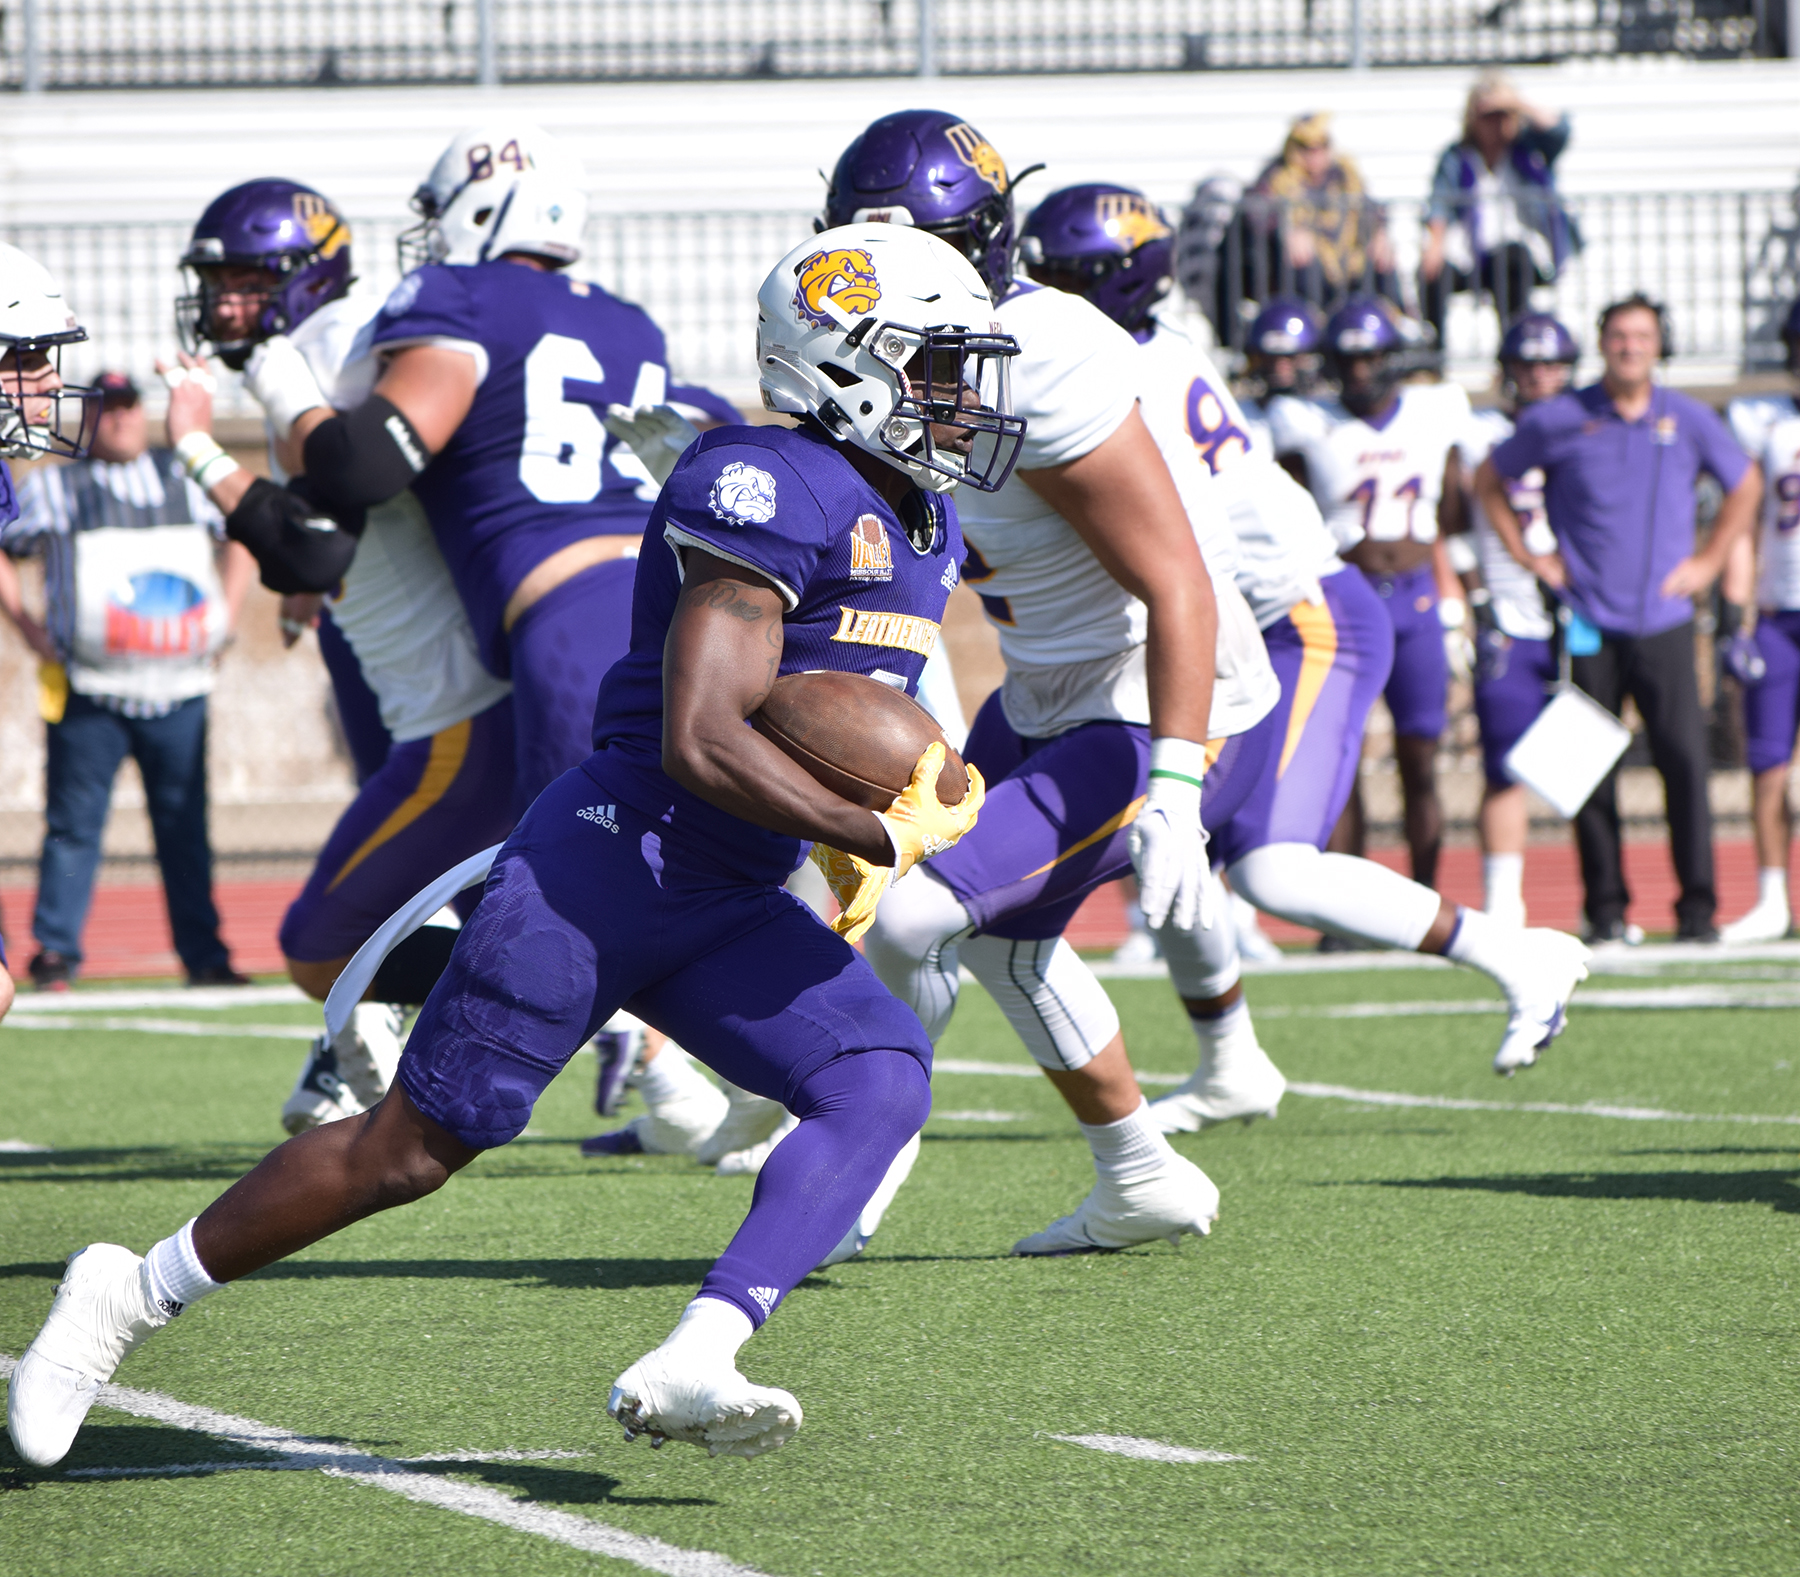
(167, 1026)
(978, 1117)
(1148, 1450)
(1647, 959)
(1654, 998)
(392, 1474)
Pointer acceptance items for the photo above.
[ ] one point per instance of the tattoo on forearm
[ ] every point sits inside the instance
(726, 596)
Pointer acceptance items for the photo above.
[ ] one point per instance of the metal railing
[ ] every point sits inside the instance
(1726, 264)
(188, 43)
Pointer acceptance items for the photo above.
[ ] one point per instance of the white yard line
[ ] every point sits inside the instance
(22, 1147)
(1148, 1450)
(471, 1500)
(1648, 959)
(297, 1464)
(166, 1026)
(203, 999)
(978, 1117)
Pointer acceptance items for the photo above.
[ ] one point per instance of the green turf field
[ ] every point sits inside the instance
(1440, 1338)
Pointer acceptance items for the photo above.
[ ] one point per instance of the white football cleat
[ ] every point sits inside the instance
(1551, 964)
(1767, 922)
(671, 1398)
(749, 1162)
(749, 1119)
(321, 1094)
(368, 1050)
(103, 1309)
(865, 1226)
(1177, 1199)
(1235, 1081)
(1139, 948)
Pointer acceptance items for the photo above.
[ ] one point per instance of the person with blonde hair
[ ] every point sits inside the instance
(1335, 237)
(1494, 221)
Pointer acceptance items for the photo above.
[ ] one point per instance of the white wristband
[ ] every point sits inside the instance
(203, 460)
(1177, 771)
(1453, 613)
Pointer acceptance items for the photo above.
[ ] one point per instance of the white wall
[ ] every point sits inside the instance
(1639, 125)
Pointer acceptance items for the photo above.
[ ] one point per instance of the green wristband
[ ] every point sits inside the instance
(1179, 777)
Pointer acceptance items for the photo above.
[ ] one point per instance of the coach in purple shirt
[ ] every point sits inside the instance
(1620, 460)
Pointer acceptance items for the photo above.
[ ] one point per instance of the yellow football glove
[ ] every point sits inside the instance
(918, 825)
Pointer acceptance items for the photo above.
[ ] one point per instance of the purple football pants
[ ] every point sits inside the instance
(1332, 661)
(1512, 685)
(561, 647)
(1419, 685)
(1056, 822)
(431, 804)
(1772, 708)
(593, 906)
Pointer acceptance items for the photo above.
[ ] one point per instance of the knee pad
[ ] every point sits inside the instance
(1203, 964)
(1048, 995)
(912, 947)
(1337, 893)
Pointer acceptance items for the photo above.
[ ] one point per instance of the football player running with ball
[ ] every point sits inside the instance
(1134, 677)
(651, 874)
(274, 297)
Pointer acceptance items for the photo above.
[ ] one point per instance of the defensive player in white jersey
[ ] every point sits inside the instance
(271, 261)
(1331, 644)
(1515, 660)
(1134, 677)
(1767, 663)
(1380, 458)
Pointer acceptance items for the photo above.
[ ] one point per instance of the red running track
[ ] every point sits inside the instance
(128, 927)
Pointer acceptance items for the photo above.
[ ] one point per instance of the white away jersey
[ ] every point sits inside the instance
(1517, 605)
(1072, 636)
(1379, 481)
(1775, 434)
(396, 605)
(1283, 547)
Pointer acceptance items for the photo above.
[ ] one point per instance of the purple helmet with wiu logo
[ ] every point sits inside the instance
(1108, 243)
(1536, 336)
(934, 170)
(1287, 326)
(289, 232)
(1362, 326)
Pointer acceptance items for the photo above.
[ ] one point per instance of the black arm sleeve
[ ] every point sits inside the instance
(363, 457)
(298, 546)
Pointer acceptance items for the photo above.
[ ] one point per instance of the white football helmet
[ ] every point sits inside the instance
(39, 414)
(878, 332)
(504, 187)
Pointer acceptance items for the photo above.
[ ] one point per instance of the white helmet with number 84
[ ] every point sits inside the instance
(506, 187)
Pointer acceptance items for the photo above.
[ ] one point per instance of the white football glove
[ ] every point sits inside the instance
(658, 435)
(282, 383)
(1168, 842)
(1459, 650)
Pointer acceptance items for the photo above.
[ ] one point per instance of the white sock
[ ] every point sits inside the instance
(1503, 879)
(1484, 943)
(710, 1331)
(177, 1278)
(1212, 1033)
(1129, 1149)
(669, 1075)
(1771, 888)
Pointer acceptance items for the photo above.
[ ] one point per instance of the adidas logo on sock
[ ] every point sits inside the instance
(169, 1307)
(765, 1298)
(600, 815)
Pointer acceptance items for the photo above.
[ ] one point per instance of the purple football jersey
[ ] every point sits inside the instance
(860, 597)
(532, 468)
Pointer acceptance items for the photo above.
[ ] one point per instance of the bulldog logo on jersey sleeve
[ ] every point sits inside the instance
(870, 556)
(744, 495)
(836, 285)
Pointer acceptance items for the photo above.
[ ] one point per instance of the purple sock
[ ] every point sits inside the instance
(855, 1114)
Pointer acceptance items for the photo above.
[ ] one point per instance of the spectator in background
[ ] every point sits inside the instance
(1335, 238)
(1494, 221)
(142, 594)
(1620, 461)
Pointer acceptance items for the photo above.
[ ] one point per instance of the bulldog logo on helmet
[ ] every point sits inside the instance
(1129, 218)
(978, 153)
(842, 276)
(323, 227)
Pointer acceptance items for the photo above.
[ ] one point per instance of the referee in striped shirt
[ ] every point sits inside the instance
(142, 592)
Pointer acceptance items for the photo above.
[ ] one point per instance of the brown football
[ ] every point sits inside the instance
(857, 736)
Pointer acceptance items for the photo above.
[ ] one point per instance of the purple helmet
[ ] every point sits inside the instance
(1790, 337)
(936, 171)
(1536, 336)
(1363, 328)
(1287, 326)
(288, 231)
(1108, 243)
